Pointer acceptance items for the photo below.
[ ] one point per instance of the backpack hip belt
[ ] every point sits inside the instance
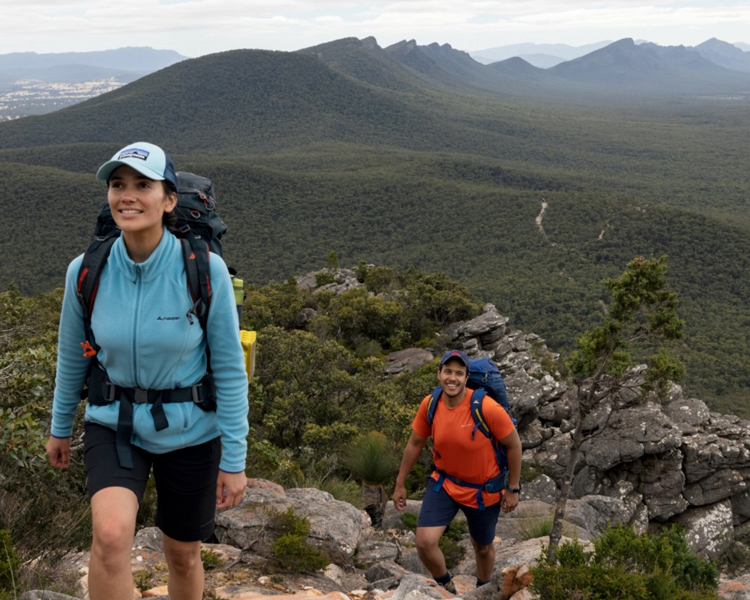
(102, 392)
(493, 485)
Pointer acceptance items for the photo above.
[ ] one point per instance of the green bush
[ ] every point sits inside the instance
(210, 559)
(143, 579)
(410, 520)
(626, 566)
(324, 278)
(537, 527)
(297, 555)
(291, 548)
(372, 458)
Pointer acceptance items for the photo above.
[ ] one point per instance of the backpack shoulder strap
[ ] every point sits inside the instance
(89, 273)
(432, 404)
(477, 399)
(196, 256)
(501, 452)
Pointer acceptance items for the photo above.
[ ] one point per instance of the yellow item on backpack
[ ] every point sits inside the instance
(247, 338)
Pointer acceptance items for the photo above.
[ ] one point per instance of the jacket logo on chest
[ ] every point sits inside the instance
(167, 318)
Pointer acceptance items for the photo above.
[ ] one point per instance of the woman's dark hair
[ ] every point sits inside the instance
(169, 219)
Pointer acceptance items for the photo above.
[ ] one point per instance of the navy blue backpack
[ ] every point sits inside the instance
(485, 380)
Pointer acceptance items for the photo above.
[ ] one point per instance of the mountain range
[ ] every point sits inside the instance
(732, 56)
(529, 186)
(91, 65)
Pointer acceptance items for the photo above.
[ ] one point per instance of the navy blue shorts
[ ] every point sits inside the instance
(185, 480)
(439, 509)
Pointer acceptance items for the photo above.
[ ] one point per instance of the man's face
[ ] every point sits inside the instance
(452, 377)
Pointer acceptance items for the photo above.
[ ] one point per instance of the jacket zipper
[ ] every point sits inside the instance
(136, 314)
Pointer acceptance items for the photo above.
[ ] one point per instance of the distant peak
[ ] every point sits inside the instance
(370, 43)
(439, 46)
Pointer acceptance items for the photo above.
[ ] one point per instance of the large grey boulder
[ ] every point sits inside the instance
(708, 529)
(689, 415)
(631, 433)
(488, 327)
(551, 457)
(335, 527)
(407, 360)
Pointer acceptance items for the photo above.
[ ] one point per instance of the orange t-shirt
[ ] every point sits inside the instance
(454, 450)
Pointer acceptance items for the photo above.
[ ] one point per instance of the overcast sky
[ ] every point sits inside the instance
(198, 27)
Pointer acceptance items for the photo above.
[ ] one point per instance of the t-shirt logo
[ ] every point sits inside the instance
(134, 153)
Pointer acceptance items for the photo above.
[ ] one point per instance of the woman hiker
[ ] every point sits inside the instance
(152, 403)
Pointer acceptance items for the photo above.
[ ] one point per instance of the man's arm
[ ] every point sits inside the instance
(413, 449)
(515, 450)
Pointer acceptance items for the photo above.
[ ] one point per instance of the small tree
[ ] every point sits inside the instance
(642, 314)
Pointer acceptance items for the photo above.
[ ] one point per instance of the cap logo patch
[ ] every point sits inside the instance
(134, 153)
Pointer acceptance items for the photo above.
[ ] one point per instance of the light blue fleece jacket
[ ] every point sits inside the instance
(140, 322)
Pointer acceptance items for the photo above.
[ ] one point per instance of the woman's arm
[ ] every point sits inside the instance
(228, 365)
(72, 366)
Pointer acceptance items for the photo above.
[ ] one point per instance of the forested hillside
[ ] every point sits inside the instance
(352, 148)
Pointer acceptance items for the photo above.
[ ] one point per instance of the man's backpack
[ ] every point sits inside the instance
(200, 230)
(485, 380)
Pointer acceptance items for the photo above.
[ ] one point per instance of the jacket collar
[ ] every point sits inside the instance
(161, 258)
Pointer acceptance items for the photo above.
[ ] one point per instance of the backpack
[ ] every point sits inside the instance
(199, 228)
(485, 380)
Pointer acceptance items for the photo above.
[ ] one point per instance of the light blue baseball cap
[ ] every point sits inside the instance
(147, 159)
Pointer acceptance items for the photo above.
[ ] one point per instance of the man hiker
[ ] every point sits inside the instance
(467, 466)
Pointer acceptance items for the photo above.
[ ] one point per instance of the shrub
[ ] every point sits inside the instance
(409, 520)
(345, 490)
(372, 459)
(626, 566)
(291, 548)
(323, 278)
(143, 579)
(210, 559)
(536, 528)
(297, 555)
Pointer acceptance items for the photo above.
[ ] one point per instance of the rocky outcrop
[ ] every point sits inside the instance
(650, 462)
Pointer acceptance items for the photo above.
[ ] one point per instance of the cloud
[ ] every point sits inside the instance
(196, 27)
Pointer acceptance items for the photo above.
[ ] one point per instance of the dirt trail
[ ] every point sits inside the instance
(539, 219)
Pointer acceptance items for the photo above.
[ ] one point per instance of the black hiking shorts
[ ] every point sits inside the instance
(185, 480)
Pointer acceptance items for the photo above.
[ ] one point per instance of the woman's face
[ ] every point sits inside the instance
(137, 202)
